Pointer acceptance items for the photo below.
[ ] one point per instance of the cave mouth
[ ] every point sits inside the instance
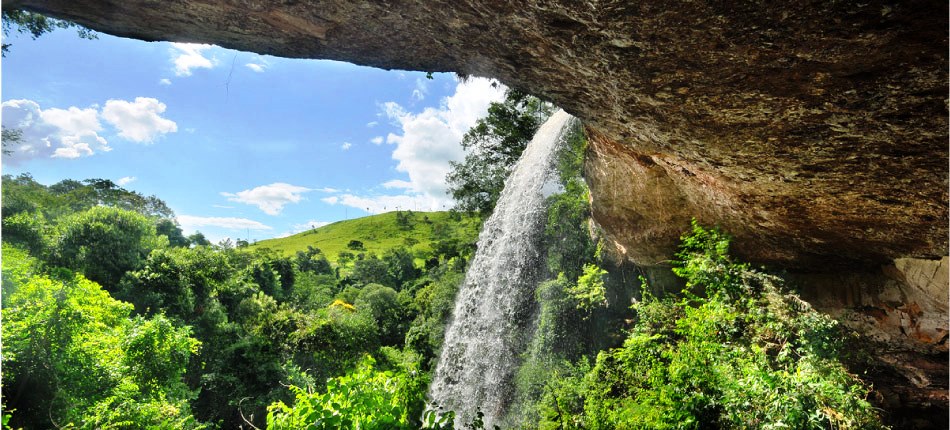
(246, 136)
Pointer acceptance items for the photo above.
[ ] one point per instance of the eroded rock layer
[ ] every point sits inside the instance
(816, 131)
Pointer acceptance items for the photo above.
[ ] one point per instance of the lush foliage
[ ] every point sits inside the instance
(365, 398)
(741, 355)
(493, 146)
(75, 357)
(104, 243)
(74, 353)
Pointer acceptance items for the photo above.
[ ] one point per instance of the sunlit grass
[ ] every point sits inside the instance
(378, 233)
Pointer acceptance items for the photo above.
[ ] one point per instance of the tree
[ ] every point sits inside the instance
(169, 228)
(198, 239)
(355, 245)
(400, 266)
(383, 304)
(104, 243)
(74, 355)
(372, 270)
(364, 398)
(345, 257)
(312, 260)
(493, 146)
(404, 219)
(10, 135)
(176, 281)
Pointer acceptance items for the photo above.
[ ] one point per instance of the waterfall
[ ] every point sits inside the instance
(493, 309)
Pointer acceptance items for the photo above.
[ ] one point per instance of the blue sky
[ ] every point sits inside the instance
(239, 145)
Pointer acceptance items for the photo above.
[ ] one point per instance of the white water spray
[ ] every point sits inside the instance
(490, 326)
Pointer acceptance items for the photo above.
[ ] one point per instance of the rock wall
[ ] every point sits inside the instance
(901, 311)
(815, 131)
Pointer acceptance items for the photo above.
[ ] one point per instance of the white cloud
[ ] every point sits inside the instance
(259, 68)
(422, 88)
(190, 223)
(57, 133)
(378, 140)
(429, 140)
(189, 56)
(396, 183)
(372, 124)
(222, 207)
(433, 137)
(138, 121)
(123, 181)
(269, 198)
(346, 145)
(327, 190)
(165, 81)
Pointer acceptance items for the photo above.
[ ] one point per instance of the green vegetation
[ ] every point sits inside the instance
(743, 354)
(424, 234)
(74, 356)
(112, 318)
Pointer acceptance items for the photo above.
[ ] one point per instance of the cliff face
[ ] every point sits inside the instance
(815, 132)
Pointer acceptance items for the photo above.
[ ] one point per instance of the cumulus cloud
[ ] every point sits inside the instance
(378, 140)
(424, 146)
(165, 81)
(123, 181)
(190, 56)
(138, 121)
(191, 223)
(269, 198)
(45, 133)
(346, 145)
(433, 137)
(259, 68)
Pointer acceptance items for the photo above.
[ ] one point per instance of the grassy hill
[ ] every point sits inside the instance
(416, 231)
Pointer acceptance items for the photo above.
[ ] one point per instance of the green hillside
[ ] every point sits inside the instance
(418, 231)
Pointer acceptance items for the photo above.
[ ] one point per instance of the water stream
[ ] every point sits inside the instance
(493, 310)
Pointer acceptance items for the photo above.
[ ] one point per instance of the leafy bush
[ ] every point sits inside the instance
(103, 243)
(742, 355)
(77, 359)
(365, 398)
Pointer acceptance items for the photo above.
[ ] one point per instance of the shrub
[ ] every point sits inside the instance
(744, 355)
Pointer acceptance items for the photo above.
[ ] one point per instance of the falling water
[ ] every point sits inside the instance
(490, 326)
